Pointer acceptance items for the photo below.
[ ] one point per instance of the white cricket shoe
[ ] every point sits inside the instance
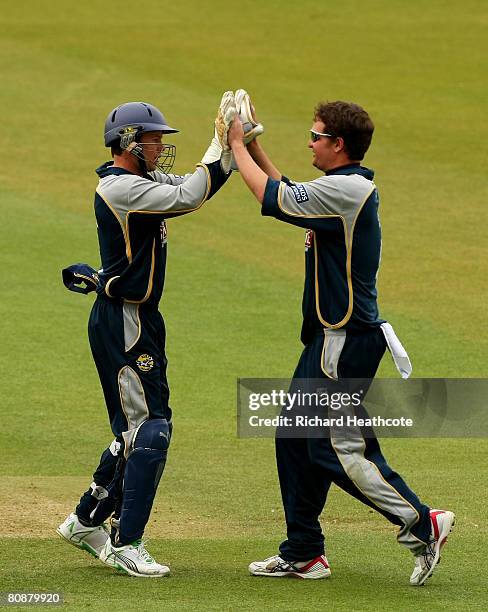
(442, 523)
(276, 567)
(132, 559)
(91, 539)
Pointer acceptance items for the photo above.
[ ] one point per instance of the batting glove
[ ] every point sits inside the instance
(219, 147)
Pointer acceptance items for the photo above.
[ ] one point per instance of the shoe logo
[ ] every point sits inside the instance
(145, 362)
(127, 562)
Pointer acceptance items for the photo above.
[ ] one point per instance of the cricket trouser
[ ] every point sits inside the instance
(128, 346)
(308, 466)
(127, 342)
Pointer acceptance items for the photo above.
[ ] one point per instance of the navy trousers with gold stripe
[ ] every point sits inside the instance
(128, 346)
(308, 466)
(127, 342)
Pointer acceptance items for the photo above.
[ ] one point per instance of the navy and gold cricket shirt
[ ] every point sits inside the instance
(342, 245)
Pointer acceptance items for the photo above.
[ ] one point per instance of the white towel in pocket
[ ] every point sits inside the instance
(397, 351)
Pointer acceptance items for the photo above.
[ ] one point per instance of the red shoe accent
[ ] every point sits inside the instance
(313, 562)
(433, 518)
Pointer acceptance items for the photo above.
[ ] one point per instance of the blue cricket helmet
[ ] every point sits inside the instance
(141, 116)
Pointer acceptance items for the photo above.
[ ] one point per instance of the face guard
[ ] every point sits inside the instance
(165, 161)
(128, 142)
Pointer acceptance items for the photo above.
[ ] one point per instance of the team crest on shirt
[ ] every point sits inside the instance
(308, 239)
(164, 233)
(145, 362)
(299, 192)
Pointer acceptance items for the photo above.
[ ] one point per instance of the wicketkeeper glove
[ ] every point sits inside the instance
(219, 147)
(245, 110)
(80, 278)
(251, 127)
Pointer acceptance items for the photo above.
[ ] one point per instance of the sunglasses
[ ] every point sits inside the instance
(316, 135)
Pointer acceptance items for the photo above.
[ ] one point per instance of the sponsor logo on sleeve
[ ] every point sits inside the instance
(299, 192)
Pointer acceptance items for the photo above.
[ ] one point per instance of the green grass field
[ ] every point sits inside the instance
(233, 291)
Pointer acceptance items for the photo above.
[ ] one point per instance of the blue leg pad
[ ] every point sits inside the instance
(143, 469)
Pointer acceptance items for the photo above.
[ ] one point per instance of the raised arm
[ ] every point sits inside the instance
(261, 158)
(252, 174)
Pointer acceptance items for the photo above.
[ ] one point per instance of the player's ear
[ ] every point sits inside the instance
(339, 144)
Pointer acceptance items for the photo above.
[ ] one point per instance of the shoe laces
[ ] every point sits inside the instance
(143, 553)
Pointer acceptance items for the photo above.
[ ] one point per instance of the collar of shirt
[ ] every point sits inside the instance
(108, 168)
(352, 169)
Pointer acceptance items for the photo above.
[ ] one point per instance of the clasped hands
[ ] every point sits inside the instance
(247, 128)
